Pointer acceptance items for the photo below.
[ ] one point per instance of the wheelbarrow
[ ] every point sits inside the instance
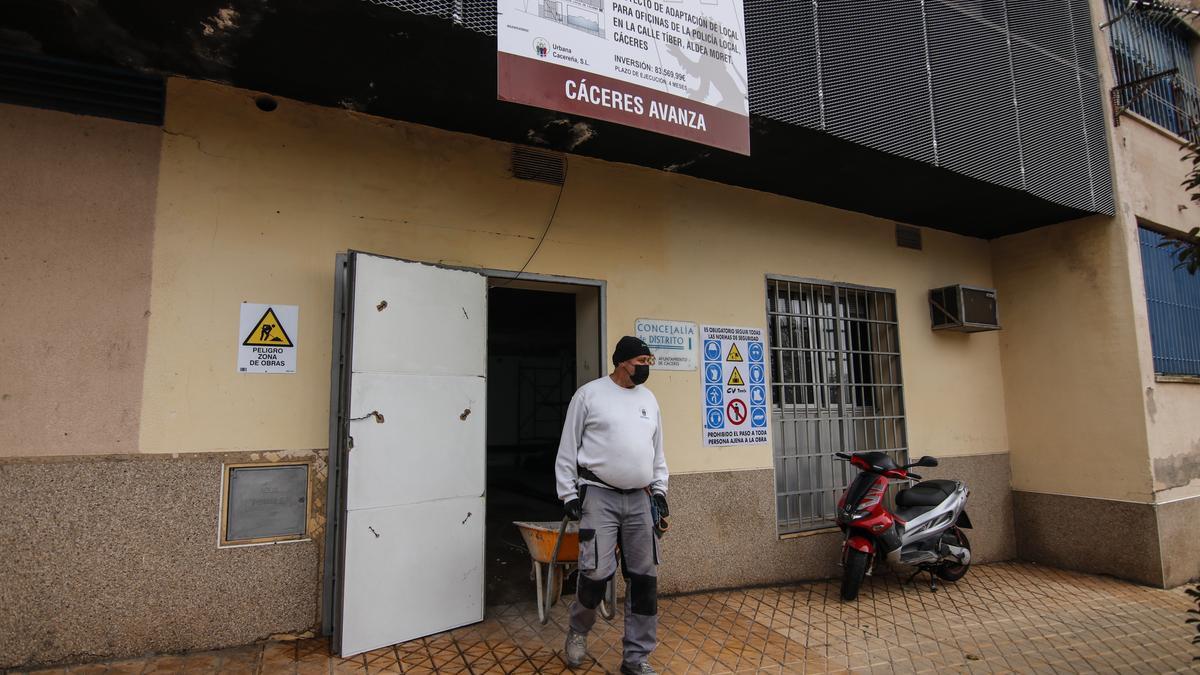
(556, 546)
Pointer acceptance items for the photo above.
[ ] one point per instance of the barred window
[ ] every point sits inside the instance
(1148, 41)
(1173, 303)
(836, 386)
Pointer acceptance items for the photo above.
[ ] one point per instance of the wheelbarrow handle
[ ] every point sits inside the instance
(562, 531)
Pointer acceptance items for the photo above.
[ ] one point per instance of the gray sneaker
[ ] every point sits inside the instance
(576, 648)
(639, 669)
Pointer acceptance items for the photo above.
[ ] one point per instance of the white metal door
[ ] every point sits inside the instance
(414, 520)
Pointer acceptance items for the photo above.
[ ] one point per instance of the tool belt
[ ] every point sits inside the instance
(587, 474)
(660, 523)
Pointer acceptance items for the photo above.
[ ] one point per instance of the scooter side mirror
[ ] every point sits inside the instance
(927, 461)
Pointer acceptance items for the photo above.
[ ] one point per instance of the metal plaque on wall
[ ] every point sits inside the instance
(266, 502)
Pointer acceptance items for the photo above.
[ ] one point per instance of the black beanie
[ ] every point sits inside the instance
(629, 347)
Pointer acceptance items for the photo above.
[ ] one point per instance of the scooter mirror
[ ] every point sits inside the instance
(928, 461)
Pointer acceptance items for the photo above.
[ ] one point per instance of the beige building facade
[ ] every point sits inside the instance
(128, 249)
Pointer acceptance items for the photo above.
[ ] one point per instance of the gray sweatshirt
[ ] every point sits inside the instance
(614, 432)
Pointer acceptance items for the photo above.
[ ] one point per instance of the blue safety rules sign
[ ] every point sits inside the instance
(735, 391)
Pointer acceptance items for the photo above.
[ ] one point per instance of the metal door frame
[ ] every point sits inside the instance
(341, 366)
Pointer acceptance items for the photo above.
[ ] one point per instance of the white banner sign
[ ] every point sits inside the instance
(267, 338)
(734, 385)
(677, 67)
(673, 343)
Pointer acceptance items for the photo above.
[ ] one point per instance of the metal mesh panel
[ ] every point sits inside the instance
(442, 8)
(1053, 140)
(973, 104)
(873, 76)
(781, 62)
(480, 16)
(836, 386)
(1096, 123)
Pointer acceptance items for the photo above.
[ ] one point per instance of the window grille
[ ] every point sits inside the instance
(1173, 303)
(836, 386)
(1147, 45)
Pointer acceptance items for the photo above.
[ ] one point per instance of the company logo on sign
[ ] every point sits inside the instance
(541, 48)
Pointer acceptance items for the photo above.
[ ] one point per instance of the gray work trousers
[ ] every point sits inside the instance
(608, 517)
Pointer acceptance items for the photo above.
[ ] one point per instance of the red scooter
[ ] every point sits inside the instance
(925, 531)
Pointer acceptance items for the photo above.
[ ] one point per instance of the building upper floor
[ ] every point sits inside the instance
(983, 118)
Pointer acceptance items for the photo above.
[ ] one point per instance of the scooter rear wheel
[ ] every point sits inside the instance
(952, 571)
(853, 572)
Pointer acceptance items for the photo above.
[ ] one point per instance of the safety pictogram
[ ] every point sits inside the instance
(734, 354)
(758, 418)
(268, 332)
(735, 379)
(757, 374)
(712, 373)
(756, 351)
(267, 338)
(736, 411)
(712, 350)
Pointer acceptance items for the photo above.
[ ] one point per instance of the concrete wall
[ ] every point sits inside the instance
(243, 205)
(1071, 371)
(76, 226)
(723, 527)
(1105, 456)
(1153, 196)
(107, 551)
(253, 206)
(117, 556)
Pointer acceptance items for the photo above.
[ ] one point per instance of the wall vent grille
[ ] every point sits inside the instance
(84, 89)
(540, 165)
(908, 237)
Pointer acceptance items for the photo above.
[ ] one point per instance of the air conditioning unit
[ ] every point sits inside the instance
(966, 309)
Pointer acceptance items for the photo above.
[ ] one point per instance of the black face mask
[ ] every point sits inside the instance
(640, 374)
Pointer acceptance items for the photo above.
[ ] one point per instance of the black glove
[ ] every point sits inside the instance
(574, 509)
(660, 503)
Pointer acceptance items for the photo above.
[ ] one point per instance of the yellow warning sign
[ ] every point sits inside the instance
(268, 332)
(735, 379)
(734, 354)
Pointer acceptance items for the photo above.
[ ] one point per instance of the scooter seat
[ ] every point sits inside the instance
(926, 493)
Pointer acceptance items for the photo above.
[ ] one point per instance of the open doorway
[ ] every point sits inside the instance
(543, 343)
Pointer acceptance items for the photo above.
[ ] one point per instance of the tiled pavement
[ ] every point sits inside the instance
(1009, 617)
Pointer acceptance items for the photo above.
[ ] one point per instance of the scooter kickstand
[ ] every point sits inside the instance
(932, 581)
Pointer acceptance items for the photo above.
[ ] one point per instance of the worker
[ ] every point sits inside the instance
(610, 472)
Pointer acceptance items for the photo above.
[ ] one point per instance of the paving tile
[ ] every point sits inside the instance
(164, 664)
(1008, 617)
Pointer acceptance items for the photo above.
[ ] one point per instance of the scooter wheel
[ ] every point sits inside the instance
(853, 572)
(952, 571)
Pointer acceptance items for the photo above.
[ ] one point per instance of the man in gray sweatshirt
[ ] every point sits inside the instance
(610, 470)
